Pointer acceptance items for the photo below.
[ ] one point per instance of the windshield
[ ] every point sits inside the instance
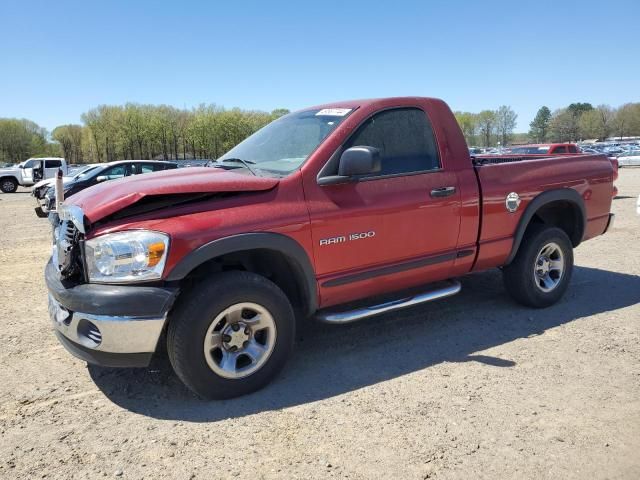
(285, 144)
(530, 150)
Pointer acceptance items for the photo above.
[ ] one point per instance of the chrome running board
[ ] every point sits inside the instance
(452, 287)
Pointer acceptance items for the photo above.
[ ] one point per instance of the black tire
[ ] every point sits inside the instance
(519, 276)
(8, 185)
(195, 312)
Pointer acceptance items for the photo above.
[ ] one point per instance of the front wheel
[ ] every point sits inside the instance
(540, 273)
(230, 335)
(8, 185)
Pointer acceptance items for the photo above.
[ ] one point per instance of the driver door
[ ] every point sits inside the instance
(27, 171)
(393, 229)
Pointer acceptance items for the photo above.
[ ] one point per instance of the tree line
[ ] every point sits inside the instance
(583, 121)
(134, 131)
(576, 122)
(489, 127)
(21, 139)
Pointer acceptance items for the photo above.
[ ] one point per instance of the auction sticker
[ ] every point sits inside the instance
(333, 112)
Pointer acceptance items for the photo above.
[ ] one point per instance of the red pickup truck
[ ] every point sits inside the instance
(546, 149)
(336, 212)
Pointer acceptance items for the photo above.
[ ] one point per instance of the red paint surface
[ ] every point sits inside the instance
(408, 223)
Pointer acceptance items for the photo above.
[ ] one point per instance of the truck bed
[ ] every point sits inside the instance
(590, 176)
(479, 160)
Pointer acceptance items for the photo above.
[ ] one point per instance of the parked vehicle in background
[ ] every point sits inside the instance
(104, 173)
(590, 150)
(549, 149)
(338, 212)
(546, 149)
(629, 159)
(39, 190)
(194, 162)
(30, 172)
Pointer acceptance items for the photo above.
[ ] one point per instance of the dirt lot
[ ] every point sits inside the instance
(471, 387)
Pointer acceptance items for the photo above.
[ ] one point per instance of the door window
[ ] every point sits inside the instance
(118, 171)
(149, 167)
(561, 149)
(52, 163)
(405, 139)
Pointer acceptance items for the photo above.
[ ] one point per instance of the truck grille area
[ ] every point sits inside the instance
(68, 255)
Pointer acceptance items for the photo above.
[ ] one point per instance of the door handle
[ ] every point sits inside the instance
(443, 191)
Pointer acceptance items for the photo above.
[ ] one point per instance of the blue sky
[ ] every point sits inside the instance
(58, 59)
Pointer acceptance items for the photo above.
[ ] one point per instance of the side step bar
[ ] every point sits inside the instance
(452, 287)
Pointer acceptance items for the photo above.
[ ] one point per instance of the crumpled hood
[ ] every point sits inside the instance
(106, 198)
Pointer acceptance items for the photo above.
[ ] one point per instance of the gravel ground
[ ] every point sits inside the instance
(471, 387)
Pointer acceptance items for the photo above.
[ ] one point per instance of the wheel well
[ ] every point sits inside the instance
(9, 176)
(271, 264)
(562, 214)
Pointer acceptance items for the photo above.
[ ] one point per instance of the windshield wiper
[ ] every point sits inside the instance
(246, 163)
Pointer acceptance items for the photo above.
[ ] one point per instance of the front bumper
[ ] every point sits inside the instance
(108, 325)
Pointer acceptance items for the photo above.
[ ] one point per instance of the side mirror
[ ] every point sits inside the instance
(359, 161)
(102, 178)
(354, 162)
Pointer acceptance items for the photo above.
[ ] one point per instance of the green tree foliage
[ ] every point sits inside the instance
(580, 121)
(596, 123)
(539, 127)
(164, 132)
(469, 125)
(21, 139)
(487, 126)
(563, 126)
(130, 131)
(70, 139)
(626, 122)
(506, 120)
(577, 109)
(279, 112)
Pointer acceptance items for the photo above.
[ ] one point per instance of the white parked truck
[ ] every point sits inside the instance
(30, 172)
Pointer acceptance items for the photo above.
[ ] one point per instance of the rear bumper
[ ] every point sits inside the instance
(108, 325)
(610, 222)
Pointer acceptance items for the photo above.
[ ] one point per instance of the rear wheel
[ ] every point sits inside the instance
(8, 185)
(230, 335)
(540, 273)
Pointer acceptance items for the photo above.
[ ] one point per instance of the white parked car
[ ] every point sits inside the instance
(629, 159)
(30, 172)
(39, 190)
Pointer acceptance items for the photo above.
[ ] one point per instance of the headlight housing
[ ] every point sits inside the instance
(126, 257)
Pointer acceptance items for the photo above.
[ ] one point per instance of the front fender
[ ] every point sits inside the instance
(253, 241)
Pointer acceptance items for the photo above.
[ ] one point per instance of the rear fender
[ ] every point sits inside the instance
(563, 194)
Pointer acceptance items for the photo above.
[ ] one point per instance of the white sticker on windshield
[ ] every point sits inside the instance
(334, 112)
